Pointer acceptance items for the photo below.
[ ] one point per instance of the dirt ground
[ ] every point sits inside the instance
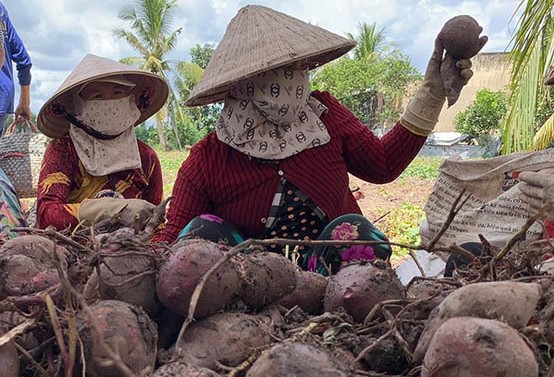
(378, 200)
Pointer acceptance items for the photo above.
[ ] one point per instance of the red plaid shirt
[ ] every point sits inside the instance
(220, 180)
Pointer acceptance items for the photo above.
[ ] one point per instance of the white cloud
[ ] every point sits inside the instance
(58, 33)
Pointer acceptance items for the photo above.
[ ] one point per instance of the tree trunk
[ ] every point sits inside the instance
(161, 135)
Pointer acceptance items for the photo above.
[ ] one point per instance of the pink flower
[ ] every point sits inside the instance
(345, 231)
(358, 252)
(312, 263)
(213, 218)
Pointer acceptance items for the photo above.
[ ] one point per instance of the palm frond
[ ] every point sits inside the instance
(545, 135)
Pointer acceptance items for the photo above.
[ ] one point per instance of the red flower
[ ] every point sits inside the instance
(345, 231)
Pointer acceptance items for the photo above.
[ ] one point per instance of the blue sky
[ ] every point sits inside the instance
(59, 33)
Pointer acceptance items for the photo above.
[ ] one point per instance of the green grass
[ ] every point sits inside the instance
(171, 162)
(423, 168)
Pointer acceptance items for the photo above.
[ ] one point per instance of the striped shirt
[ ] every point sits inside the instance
(64, 183)
(220, 180)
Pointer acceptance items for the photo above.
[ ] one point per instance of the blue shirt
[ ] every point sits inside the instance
(15, 52)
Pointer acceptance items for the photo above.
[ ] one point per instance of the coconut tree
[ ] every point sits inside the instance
(531, 56)
(369, 40)
(150, 35)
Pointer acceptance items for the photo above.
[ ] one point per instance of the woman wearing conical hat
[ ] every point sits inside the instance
(278, 163)
(95, 167)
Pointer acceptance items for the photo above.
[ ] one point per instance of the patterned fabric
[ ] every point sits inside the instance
(220, 180)
(213, 228)
(102, 157)
(329, 259)
(64, 183)
(320, 259)
(272, 115)
(11, 214)
(293, 216)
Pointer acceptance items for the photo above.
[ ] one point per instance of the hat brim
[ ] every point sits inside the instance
(55, 125)
(219, 92)
(259, 39)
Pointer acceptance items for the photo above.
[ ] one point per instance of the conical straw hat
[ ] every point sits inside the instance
(259, 39)
(53, 123)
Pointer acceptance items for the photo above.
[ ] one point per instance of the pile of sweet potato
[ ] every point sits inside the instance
(114, 307)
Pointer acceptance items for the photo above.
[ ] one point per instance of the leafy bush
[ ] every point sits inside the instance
(401, 226)
(484, 116)
(423, 168)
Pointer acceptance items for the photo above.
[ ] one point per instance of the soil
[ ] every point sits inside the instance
(378, 200)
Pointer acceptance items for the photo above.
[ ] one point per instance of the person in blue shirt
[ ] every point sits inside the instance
(14, 52)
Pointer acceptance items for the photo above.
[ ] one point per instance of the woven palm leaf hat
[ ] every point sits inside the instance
(153, 91)
(259, 39)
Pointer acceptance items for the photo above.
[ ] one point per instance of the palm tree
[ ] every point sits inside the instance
(369, 41)
(531, 56)
(151, 37)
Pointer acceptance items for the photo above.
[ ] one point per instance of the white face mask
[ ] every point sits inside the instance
(110, 117)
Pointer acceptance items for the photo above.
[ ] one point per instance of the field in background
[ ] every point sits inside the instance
(396, 208)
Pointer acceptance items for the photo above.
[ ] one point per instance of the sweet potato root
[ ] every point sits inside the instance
(358, 288)
(296, 360)
(27, 265)
(265, 278)
(512, 302)
(181, 273)
(308, 294)
(181, 369)
(227, 338)
(466, 346)
(126, 330)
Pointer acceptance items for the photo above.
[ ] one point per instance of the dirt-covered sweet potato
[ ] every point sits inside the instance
(512, 302)
(308, 294)
(9, 360)
(467, 346)
(228, 338)
(296, 360)
(126, 277)
(126, 329)
(265, 278)
(460, 38)
(181, 273)
(178, 369)
(359, 287)
(27, 265)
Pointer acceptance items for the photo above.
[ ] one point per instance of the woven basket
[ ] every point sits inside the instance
(21, 150)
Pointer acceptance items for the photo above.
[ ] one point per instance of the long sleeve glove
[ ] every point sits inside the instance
(422, 113)
(92, 211)
(538, 190)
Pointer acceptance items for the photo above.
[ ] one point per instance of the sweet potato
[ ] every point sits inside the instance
(460, 37)
(434, 291)
(27, 265)
(265, 278)
(466, 346)
(359, 287)
(296, 360)
(511, 302)
(128, 278)
(126, 329)
(177, 369)
(181, 273)
(9, 360)
(228, 338)
(308, 294)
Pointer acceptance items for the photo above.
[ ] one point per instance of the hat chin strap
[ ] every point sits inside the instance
(89, 130)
